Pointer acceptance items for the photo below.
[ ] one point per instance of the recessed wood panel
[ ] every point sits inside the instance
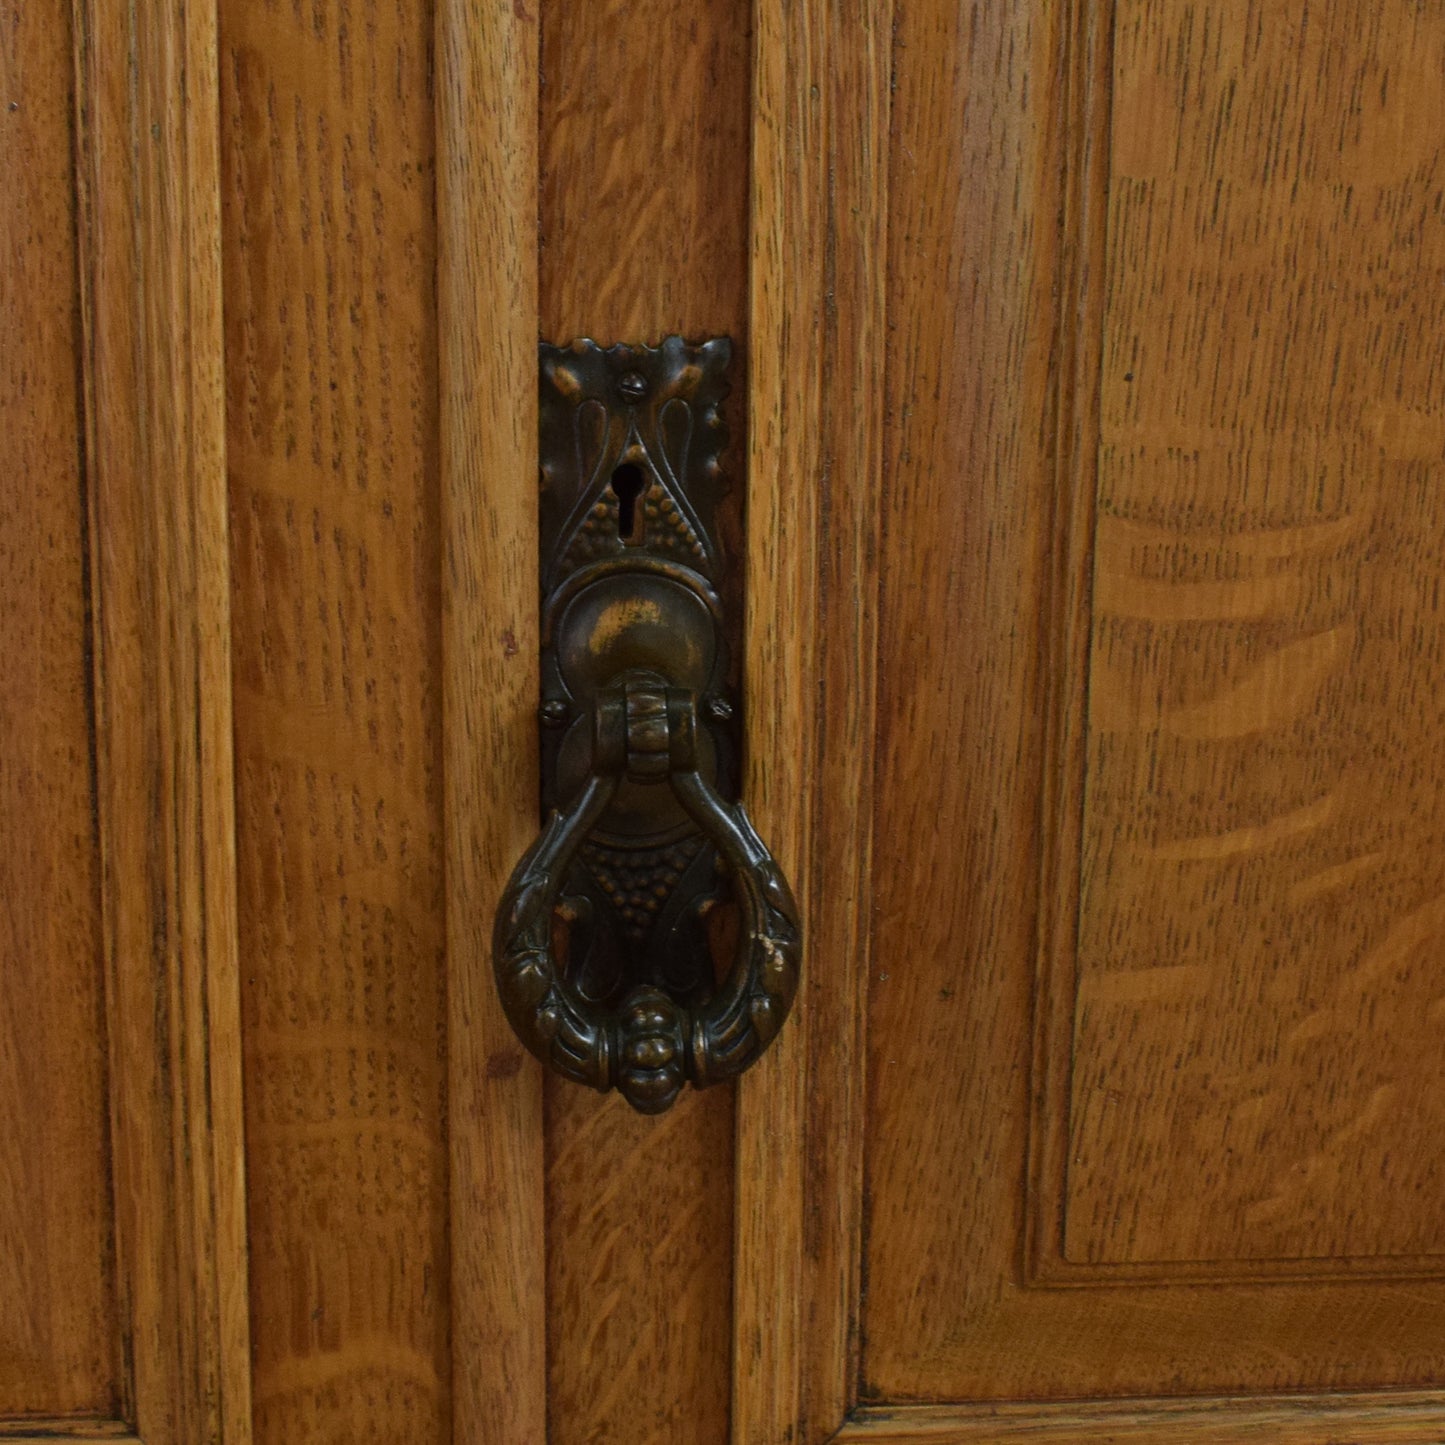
(1256, 1070)
(59, 1331)
(327, 136)
(1156, 850)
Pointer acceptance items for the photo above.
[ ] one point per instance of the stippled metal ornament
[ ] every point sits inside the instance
(601, 945)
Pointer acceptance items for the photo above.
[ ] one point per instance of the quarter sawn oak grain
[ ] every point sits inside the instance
(122, 924)
(1089, 408)
(1158, 631)
(328, 145)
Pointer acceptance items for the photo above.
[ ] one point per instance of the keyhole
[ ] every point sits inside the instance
(628, 484)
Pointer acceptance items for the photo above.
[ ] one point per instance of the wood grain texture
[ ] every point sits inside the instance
(149, 184)
(644, 133)
(1396, 1417)
(982, 645)
(328, 146)
(1256, 1068)
(785, 452)
(973, 189)
(819, 209)
(487, 298)
(39, 1431)
(59, 1328)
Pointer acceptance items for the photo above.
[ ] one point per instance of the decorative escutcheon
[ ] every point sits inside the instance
(603, 945)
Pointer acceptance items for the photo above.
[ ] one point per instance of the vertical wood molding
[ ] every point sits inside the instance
(854, 497)
(820, 150)
(1082, 135)
(487, 294)
(784, 459)
(148, 185)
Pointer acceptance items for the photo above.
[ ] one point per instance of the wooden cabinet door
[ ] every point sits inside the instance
(1143, 1137)
(1088, 427)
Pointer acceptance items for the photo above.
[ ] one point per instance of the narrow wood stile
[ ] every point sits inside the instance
(819, 226)
(786, 318)
(148, 182)
(487, 295)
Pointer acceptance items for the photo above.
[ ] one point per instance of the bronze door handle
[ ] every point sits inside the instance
(650, 1045)
(639, 749)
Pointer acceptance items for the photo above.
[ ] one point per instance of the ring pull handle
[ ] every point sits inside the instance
(604, 939)
(650, 1045)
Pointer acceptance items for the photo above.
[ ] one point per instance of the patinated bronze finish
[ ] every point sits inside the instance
(639, 747)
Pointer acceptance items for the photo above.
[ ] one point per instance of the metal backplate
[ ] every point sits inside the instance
(630, 566)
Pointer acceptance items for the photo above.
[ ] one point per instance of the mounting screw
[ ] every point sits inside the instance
(553, 712)
(719, 709)
(633, 386)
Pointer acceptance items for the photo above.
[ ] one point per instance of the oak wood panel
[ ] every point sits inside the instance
(487, 297)
(1002, 543)
(820, 89)
(643, 216)
(1256, 1069)
(148, 184)
(328, 147)
(59, 1328)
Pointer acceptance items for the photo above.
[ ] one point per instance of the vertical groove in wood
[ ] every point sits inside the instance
(487, 297)
(149, 187)
(1081, 132)
(855, 499)
(820, 152)
(973, 210)
(59, 1322)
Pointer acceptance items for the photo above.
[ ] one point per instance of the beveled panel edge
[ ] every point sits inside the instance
(487, 120)
(80, 1430)
(1059, 1273)
(1396, 1417)
(1087, 69)
(89, 1433)
(148, 189)
(821, 84)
